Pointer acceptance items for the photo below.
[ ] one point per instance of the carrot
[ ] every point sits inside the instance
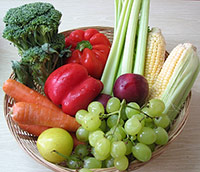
(33, 129)
(35, 114)
(22, 93)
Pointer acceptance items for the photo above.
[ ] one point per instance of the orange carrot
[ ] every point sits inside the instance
(33, 129)
(35, 114)
(22, 93)
(76, 141)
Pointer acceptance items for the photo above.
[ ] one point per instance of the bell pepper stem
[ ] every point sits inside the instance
(83, 44)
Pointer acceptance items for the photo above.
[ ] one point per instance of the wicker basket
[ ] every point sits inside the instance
(28, 142)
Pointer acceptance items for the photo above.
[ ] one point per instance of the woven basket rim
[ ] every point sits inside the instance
(133, 165)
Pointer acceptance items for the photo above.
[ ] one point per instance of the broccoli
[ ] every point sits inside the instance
(38, 62)
(33, 29)
(31, 25)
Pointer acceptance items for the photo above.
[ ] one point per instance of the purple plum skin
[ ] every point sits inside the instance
(103, 98)
(132, 88)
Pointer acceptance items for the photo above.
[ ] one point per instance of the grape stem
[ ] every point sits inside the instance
(60, 154)
(119, 115)
(140, 111)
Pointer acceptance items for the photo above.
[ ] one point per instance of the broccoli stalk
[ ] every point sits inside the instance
(39, 61)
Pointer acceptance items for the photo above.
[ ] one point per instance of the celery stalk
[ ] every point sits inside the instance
(118, 9)
(129, 47)
(142, 39)
(111, 67)
(116, 15)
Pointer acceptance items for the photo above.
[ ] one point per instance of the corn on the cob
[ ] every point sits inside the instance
(177, 78)
(155, 55)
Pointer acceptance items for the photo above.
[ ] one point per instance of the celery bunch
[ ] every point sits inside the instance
(127, 53)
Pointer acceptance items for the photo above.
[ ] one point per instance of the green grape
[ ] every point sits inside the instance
(102, 147)
(119, 130)
(118, 149)
(81, 150)
(113, 137)
(132, 126)
(95, 136)
(109, 162)
(80, 115)
(100, 157)
(129, 146)
(91, 122)
(154, 108)
(103, 126)
(113, 105)
(121, 163)
(82, 134)
(92, 162)
(112, 121)
(85, 170)
(162, 121)
(133, 138)
(132, 111)
(74, 162)
(141, 118)
(152, 147)
(162, 136)
(141, 152)
(148, 119)
(157, 106)
(150, 124)
(96, 108)
(146, 135)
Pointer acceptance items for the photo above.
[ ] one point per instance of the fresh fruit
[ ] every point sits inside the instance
(133, 126)
(103, 98)
(113, 105)
(121, 163)
(55, 139)
(141, 152)
(132, 88)
(137, 134)
(146, 135)
(161, 136)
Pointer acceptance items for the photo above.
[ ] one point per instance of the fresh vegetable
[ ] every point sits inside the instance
(132, 88)
(155, 55)
(72, 87)
(38, 62)
(142, 39)
(32, 114)
(33, 29)
(31, 25)
(176, 78)
(22, 93)
(55, 139)
(36, 130)
(122, 58)
(89, 48)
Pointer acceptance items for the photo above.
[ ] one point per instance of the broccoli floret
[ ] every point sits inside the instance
(31, 25)
(38, 62)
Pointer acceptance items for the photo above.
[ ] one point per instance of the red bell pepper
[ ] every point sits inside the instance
(89, 48)
(71, 87)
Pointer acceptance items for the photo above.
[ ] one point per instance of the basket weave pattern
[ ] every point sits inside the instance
(28, 142)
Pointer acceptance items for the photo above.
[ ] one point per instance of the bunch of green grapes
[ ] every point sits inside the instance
(121, 132)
